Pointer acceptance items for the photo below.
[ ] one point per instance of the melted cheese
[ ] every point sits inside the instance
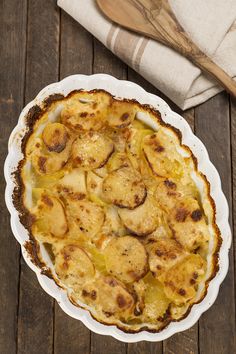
(116, 202)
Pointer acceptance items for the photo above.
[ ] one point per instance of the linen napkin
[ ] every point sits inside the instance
(210, 23)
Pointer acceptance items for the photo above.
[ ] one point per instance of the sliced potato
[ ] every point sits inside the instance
(188, 224)
(156, 302)
(86, 111)
(98, 259)
(73, 265)
(180, 281)
(161, 154)
(88, 216)
(134, 145)
(167, 194)
(55, 137)
(50, 162)
(163, 253)
(73, 184)
(118, 160)
(126, 258)
(50, 212)
(108, 295)
(121, 113)
(142, 220)
(94, 184)
(120, 137)
(113, 224)
(124, 187)
(91, 150)
(102, 171)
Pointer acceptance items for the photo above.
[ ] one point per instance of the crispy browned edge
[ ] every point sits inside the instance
(32, 246)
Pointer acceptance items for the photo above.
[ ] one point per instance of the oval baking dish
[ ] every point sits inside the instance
(189, 144)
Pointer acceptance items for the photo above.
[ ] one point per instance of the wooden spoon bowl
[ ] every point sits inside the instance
(155, 19)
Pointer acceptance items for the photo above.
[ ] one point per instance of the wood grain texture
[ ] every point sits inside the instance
(183, 343)
(13, 16)
(76, 55)
(70, 335)
(217, 326)
(233, 147)
(35, 319)
(35, 322)
(145, 348)
(42, 45)
(158, 21)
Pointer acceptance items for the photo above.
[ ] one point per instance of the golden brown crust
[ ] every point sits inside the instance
(27, 218)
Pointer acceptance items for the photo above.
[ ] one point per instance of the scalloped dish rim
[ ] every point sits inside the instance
(123, 89)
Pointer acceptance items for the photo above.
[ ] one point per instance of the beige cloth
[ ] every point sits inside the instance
(210, 23)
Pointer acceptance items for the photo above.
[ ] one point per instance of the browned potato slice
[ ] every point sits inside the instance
(121, 113)
(167, 194)
(55, 137)
(50, 212)
(87, 215)
(163, 253)
(118, 160)
(73, 184)
(108, 295)
(126, 258)
(73, 265)
(86, 111)
(119, 137)
(142, 220)
(91, 150)
(124, 187)
(161, 154)
(180, 281)
(188, 224)
(46, 162)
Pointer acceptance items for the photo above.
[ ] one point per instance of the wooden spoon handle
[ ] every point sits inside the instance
(167, 30)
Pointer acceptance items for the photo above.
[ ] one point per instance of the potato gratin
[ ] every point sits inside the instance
(120, 207)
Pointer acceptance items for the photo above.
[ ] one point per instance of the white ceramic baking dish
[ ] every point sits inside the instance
(124, 89)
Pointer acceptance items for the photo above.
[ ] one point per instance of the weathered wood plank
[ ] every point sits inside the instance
(233, 146)
(76, 55)
(42, 46)
(35, 322)
(217, 326)
(182, 343)
(13, 15)
(70, 335)
(145, 348)
(105, 62)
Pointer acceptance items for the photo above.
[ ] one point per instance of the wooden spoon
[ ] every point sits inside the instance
(155, 19)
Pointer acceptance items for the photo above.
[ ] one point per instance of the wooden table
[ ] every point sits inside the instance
(40, 44)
